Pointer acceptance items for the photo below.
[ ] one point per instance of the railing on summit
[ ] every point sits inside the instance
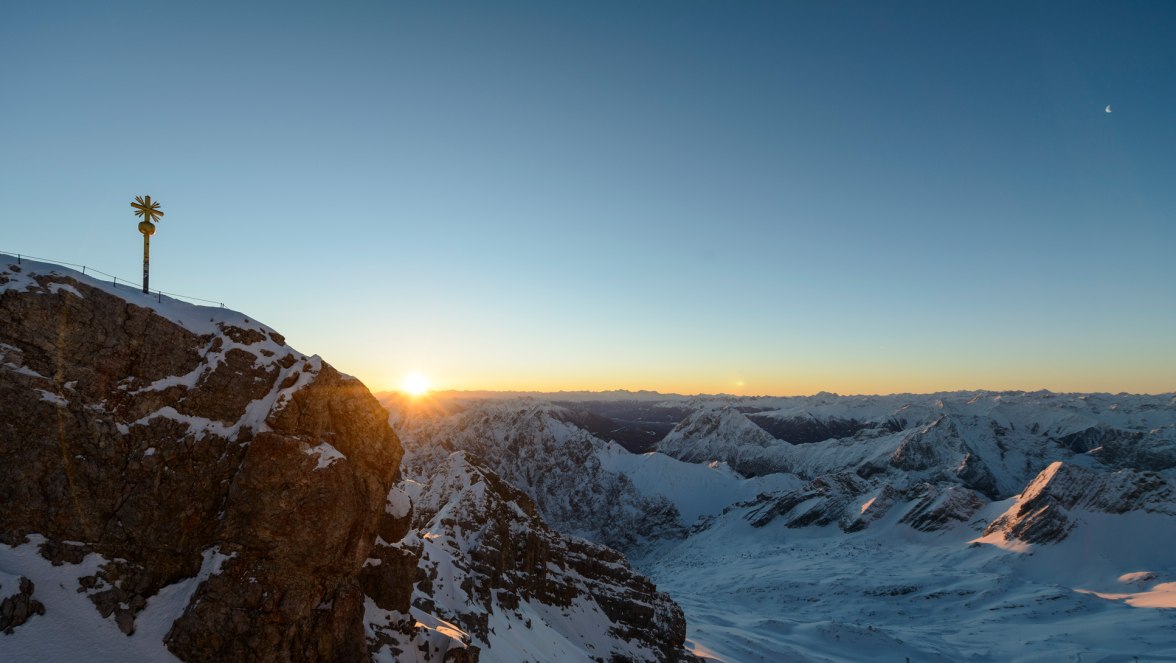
(113, 279)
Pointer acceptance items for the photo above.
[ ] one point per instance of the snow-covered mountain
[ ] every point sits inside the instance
(965, 526)
(532, 445)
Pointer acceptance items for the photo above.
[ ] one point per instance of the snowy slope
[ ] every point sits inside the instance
(889, 592)
(695, 489)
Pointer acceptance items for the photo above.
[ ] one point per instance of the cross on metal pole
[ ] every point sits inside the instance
(149, 210)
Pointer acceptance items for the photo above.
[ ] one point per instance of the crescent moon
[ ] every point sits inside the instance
(1108, 108)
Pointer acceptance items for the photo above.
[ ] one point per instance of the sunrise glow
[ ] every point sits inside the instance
(415, 384)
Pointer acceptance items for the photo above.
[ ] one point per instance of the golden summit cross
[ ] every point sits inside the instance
(149, 210)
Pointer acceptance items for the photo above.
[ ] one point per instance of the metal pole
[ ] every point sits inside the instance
(146, 260)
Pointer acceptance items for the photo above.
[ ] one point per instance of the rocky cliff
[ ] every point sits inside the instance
(157, 435)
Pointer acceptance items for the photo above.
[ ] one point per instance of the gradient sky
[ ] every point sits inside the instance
(760, 198)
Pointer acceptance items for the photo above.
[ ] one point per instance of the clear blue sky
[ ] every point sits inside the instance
(772, 197)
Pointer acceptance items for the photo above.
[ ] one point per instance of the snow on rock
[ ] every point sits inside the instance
(1153, 449)
(399, 501)
(324, 454)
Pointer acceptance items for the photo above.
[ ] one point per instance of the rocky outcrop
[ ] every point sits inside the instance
(1051, 504)
(939, 506)
(853, 504)
(823, 501)
(17, 604)
(490, 565)
(158, 434)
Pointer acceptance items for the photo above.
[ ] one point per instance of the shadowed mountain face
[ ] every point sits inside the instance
(807, 429)
(637, 426)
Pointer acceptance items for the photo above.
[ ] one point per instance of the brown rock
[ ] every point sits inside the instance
(144, 441)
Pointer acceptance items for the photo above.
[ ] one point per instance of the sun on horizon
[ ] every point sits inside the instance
(415, 384)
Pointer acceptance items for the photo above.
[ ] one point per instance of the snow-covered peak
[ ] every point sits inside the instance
(721, 432)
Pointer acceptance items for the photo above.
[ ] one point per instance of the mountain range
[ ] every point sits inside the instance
(985, 526)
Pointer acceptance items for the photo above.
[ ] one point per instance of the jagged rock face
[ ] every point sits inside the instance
(853, 504)
(1046, 511)
(491, 565)
(824, 501)
(942, 449)
(555, 463)
(1154, 449)
(153, 443)
(937, 507)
